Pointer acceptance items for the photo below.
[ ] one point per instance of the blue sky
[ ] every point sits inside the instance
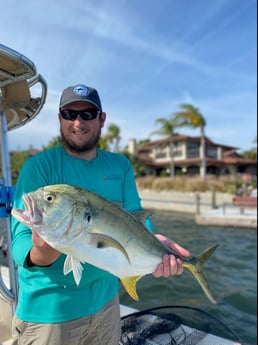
(145, 57)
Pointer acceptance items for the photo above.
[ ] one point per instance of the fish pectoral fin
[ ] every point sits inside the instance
(73, 265)
(129, 284)
(67, 265)
(104, 241)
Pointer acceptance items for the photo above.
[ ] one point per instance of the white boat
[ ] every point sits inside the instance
(18, 106)
(161, 326)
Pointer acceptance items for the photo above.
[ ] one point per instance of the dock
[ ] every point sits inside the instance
(229, 216)
(219, 211)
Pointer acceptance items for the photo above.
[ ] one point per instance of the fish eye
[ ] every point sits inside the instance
(50, 197)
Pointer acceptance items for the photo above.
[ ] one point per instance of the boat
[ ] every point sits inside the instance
(18, 106)
(163, 326)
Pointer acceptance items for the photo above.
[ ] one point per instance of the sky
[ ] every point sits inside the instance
(145, 58)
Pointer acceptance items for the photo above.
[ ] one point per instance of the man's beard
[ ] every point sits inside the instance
(86, 147)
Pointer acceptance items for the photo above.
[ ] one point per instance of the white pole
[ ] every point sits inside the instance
(7, 185)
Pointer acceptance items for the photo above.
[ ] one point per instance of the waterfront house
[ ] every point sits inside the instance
(187, 156)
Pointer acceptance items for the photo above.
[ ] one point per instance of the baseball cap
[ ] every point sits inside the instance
(80, 93)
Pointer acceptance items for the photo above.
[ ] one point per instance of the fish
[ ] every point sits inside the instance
(91, 229)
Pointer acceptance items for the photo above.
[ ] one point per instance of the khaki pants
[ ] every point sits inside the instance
(102, 328)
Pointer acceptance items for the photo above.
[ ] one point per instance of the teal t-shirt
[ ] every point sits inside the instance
(45, 293)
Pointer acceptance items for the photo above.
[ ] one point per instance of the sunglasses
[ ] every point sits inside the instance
(86, 115)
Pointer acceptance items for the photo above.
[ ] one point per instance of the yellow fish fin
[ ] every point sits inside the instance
(129, 284)
(195, 266)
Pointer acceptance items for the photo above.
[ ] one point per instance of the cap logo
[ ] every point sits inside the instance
(81, 90)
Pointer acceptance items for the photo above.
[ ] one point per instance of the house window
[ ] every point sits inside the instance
(211, 152)
(160, 152)
(160, 155)
(178, 153)
(192, 150)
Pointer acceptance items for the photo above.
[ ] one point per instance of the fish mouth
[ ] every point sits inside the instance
(32, 213)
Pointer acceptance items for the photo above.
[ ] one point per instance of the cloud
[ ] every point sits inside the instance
(144, 59)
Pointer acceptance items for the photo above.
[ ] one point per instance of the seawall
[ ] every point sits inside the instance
(209, 208)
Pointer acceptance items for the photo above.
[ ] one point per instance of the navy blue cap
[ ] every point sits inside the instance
(80, 93)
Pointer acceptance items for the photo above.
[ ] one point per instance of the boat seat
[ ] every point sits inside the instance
(17, 77)
(17, 103)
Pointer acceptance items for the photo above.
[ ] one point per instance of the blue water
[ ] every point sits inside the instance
(231, 273)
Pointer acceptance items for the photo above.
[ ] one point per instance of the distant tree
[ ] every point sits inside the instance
(103, 143)
(167, 128)
(137, 165)
(17, 158)
(113, 136)
(251, 153)
(56, 141)
(190, 116)
(143, 142)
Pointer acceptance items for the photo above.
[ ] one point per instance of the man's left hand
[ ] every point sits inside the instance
(170, 265)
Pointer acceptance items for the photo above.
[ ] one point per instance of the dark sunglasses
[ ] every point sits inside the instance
(86, 115)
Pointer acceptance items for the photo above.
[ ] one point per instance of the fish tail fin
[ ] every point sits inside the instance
(195, 266)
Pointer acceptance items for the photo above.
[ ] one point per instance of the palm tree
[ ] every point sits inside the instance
(102, 143)
(167, 127)
(192, 117)
(113, 135)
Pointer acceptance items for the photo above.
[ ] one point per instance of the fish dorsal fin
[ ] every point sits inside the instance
(129, 284)
(118, 204)
(104, 241)
(73, 265)
(142, 215)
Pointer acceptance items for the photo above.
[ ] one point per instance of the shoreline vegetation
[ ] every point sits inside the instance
(228, 184)
(190, 194)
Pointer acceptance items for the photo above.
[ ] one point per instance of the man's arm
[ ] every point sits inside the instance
(41, 253)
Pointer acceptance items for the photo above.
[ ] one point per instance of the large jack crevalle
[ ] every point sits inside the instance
(89, 228)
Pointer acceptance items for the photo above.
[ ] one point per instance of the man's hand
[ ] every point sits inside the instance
(170, 265)
(42, 254)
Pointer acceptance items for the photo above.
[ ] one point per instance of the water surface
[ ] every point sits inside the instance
(231, 273)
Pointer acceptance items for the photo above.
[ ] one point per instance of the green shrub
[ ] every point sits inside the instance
(224, 184)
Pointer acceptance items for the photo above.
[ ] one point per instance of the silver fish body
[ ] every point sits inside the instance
(89, 228)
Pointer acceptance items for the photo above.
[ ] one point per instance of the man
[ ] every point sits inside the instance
(51, 309)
